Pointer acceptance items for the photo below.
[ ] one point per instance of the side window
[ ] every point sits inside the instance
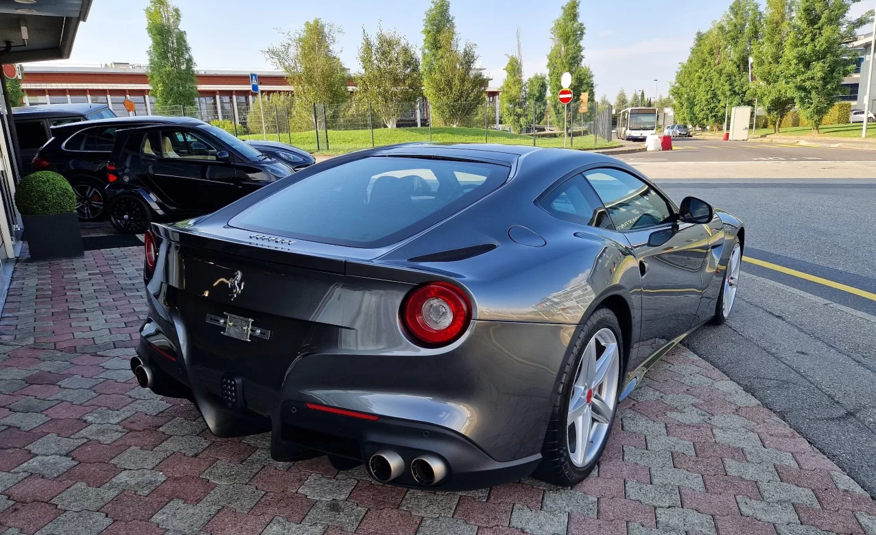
(31, 134)
(94, 139)
(64, 120)
(100, 139)
(574, 201)
(186, 145)
(631, 203)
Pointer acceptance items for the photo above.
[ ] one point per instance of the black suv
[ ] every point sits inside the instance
(33, 124)
(177, 171)
(79, 151)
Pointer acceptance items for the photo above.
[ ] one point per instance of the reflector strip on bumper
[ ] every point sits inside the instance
(342, 412)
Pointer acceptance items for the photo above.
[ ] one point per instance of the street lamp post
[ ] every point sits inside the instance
(869, 78)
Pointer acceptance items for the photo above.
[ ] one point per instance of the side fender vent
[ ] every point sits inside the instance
(455, 255)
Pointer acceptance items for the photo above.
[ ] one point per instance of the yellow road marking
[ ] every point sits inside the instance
(812, 278)
(712, 147)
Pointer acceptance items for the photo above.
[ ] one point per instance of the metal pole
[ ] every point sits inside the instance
(595, 118)
(754, 122)
(486, 102)
(316, 126)
(429, 105)
(277, 120)
(726, 111)
(371, 124)
(325, 124)
(533, 123)
(870, 79)
(262, 109)
(565, 129)
(289, 125)
(572, 128)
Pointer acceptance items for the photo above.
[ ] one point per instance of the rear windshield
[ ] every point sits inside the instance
(372, 202)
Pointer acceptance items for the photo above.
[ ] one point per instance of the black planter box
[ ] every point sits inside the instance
(50, 237)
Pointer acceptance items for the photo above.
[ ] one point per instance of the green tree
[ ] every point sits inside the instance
(817, 59)
(171, 69)
(536, 97)
(621, 102)
(455, 86)
(567, 54)
(390, 81)
(771, 86)
(312, 67)
(13, 87)
(664, 102)
(740, 30)
(511, 103)
(604, 102)
(437, 20)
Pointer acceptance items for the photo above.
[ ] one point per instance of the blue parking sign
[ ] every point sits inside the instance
(254, 82)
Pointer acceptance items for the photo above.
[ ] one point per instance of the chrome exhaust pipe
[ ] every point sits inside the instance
(428, 470)
(143, 376)
(135, 363)
(386, 465)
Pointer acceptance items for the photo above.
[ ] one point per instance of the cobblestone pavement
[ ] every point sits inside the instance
(84, 451)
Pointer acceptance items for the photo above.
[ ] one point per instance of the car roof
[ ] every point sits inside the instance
(137, 119)
(506, 154)
(56, 110)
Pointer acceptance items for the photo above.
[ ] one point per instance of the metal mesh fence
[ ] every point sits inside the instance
(359, 124)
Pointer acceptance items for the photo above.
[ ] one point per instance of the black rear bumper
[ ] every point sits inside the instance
(358, 439)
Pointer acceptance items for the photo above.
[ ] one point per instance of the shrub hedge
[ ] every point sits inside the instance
(44, 193)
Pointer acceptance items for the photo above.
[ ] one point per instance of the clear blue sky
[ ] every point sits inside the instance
(629, 43)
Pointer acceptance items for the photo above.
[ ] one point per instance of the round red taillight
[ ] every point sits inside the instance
(436, 314)
(151, 250)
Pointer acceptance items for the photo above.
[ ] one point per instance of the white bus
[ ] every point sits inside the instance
(636, 123)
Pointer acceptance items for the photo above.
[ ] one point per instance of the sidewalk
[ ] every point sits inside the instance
(819, 141)
(84, 451)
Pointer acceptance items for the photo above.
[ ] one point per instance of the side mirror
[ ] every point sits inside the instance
(223, 156)
(697, 211)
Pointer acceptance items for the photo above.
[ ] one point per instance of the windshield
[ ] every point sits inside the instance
(643, 121)
(239, 146)
(372, 202)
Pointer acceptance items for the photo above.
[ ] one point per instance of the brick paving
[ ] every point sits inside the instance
(83, 450)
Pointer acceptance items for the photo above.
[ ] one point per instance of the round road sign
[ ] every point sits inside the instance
(10, 71)
(565, 96)
(566, 79)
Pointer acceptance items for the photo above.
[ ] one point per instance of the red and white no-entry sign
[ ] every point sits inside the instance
(565, 96)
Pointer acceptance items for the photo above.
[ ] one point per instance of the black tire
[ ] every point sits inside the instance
(90, 198)
(556, 466)
(130, 214)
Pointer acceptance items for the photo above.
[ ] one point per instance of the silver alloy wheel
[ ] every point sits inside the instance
(89, 201)
(593, 398)
(731, 281)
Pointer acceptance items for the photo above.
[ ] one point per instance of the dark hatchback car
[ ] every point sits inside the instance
(176, 171)
(293, 157)
(453, 316)
(33, 124)
(80, 151)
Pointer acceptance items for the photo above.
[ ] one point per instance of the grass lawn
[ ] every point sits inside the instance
(837, 130)
(342, 141)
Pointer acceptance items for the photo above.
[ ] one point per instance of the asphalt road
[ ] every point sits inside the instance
(804, 348)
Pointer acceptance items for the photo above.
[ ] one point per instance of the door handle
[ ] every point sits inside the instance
(643, 267)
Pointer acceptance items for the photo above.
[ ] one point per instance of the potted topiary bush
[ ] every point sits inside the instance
(48, 210)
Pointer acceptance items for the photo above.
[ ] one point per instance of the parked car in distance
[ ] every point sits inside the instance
(175, 171)
(677, 130)
(292, 157)
(857, 116)
(33, 124)
(451, 316)
(80, 151)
